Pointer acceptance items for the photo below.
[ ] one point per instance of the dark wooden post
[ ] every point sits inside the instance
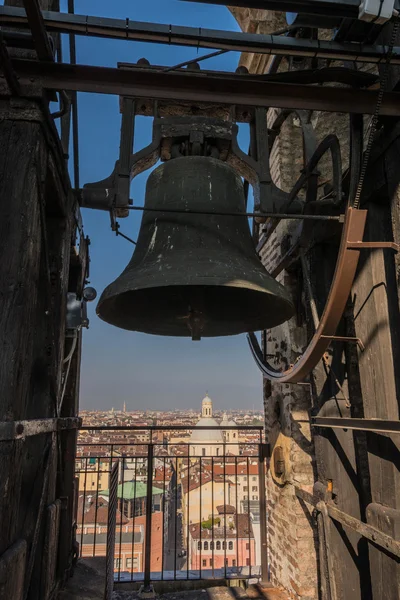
(36, 221)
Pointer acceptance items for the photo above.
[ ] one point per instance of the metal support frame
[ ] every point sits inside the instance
(262, 458)
(36, 23)
(384, 541)
(335, 8)
(7, 68)
(346, 266)
(111, 529)
(191, 86)
(276, 45)
(16, 430)
(149, 507)
(354, 424)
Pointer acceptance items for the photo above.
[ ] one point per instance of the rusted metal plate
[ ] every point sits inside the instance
(12, 571)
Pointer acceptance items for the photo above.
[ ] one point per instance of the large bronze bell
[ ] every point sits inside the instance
(194, 274)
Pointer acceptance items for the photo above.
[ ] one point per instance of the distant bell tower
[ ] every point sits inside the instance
(206, 407)
(124, 406)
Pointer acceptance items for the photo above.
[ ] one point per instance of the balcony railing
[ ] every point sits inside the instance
(187, 507)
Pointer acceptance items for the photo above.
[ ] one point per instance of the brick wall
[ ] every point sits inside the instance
(292, 533)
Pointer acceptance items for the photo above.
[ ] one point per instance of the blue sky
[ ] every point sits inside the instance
(120, 366)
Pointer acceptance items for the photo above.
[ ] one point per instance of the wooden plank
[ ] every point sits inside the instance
(376, 322)
(21, 146)
(50, 549)
(386, 520)
(12, 571)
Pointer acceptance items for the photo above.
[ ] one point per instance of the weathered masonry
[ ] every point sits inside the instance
(319, 90)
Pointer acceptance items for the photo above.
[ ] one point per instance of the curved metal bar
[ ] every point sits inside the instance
(353, 230)
(331, 143)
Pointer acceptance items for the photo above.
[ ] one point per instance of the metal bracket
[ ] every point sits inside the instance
(373, 246)
(371, 533)
(376, 425)
(17, 430)
(267, 196)
(342, 338)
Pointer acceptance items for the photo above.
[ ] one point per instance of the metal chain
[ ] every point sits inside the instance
(374, 120)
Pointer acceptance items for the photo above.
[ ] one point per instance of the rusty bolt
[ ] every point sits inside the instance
(19, 429)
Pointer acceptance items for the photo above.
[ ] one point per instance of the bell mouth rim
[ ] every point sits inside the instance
(147, 315)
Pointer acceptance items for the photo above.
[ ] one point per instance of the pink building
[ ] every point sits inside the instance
(227, 540)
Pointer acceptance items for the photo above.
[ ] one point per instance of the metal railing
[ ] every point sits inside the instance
(187, 507)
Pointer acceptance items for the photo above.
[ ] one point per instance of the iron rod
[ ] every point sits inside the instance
(149, 506)
(176, 513)
(133, 520)
(170, 428)
(74, 101)
(376, 425)
(120, 521)
(163, 521)
(224, 451)
(263, 512)
(239, 214)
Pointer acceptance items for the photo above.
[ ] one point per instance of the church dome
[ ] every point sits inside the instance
(206, 435)
(207, 420)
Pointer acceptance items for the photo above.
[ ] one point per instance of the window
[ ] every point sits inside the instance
(223, 545)
(247, 562)
(198, 545)
(234, 435)
(244, 497)
(245, 488)
(117, 563)
(254, 478)
(205, 545)
(254, 497)
(217, 451)
(128, 563)
(230, 545)
(211, 562)
(233, 563)
(226, 562)
(218, 545)
(203, 451)
(254, 488)
(204, 562)
(247, 546)
(211, 545)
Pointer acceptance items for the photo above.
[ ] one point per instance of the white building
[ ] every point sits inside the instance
(206, 442)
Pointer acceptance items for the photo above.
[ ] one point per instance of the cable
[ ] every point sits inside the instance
(374, 120)
(69, 356)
